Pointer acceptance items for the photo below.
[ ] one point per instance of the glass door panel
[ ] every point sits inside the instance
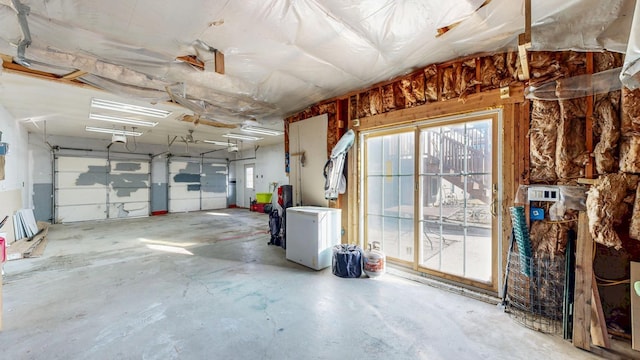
(389, 182)
(456, 195)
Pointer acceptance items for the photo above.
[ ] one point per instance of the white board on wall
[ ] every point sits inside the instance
(306, 177)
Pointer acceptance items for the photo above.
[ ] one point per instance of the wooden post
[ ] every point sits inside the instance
(588, 131)
(583, 289)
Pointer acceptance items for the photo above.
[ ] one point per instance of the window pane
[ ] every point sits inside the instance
(390, 194)
(249, 177)
(374, 192)
(374, 156)
(478, 136)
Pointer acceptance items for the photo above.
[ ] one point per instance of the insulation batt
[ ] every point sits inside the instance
(630, 110)
(375, 101)
(398, 96)
(417, 87)
(548, 238)
(608, 123)
(353, 108)
(431, 83)
(409, 98)
(542, 138)
(489, 73)
(365, 105)
(606, 207)
(388, 102)
(466, 80)
(630, 154)
(634, 228)
(448, 84)
(544, 68)
(571, 155)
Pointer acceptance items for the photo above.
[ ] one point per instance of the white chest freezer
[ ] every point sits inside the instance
(311, 234)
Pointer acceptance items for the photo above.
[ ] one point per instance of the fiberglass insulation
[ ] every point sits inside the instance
(542, 137)
(607, 204)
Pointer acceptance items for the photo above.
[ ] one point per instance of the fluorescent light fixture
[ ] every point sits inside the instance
(121, 120)
(241, 137)
(112, 131)
(220, 143)
(128, 108)
(263, 131)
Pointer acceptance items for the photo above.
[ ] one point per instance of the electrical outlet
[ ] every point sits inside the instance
(543, 193)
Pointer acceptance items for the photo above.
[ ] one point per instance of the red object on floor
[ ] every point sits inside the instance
(3, 250)
(161, 212)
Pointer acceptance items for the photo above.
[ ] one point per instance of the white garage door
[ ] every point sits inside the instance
(196, 185)
(96, 189)
(213, 186)
(81, 189)
(129, 188)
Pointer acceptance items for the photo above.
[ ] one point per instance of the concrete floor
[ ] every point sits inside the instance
(206, 286)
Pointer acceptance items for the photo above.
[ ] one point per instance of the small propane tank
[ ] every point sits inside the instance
(374, 260)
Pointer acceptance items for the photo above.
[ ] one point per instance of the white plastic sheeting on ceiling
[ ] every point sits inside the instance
(283, 55)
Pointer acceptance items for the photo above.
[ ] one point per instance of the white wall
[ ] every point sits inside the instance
(14, 192)
(269, 168)
(309, 137)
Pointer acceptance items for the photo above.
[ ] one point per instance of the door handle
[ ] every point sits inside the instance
(494, 200)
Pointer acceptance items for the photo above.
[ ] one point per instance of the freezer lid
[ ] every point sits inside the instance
(312, 209)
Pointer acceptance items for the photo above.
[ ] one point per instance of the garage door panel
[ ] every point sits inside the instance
(184, 186)
(129, 209)
(214, 186)
(179, 205)
(73, 180)
(81, 213)
(128, 195)
(130, 166)
(214, 203)
(66, 197)
(81, 164)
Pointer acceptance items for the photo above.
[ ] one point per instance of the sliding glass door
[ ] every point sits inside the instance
(430, 192)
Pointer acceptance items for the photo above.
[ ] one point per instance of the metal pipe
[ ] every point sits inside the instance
(249, 158)
(23, 11)
(58, 148)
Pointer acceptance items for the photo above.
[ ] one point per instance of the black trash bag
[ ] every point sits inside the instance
(347, 261)
(275, 224)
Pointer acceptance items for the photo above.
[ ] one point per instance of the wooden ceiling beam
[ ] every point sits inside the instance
(73, 75)
(71, 78)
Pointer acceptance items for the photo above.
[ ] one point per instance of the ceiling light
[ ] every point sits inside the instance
(128, 108)
(112, 131)
(263, 131)
(242, 137)
(220, 143)
(122, 120)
